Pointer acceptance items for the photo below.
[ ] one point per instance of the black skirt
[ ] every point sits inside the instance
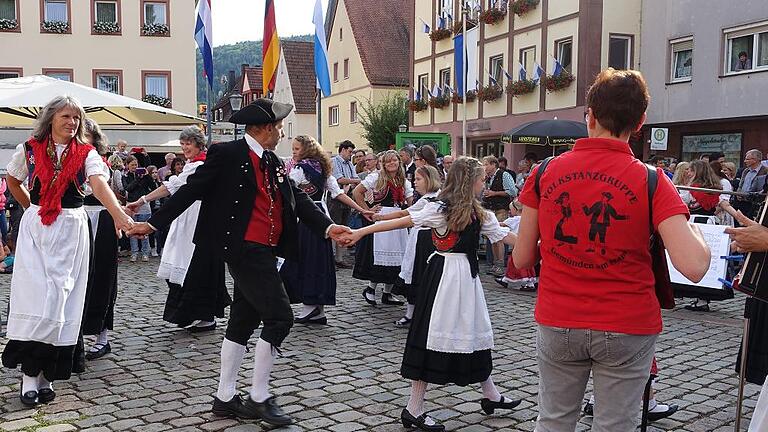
(365, 269)
(55, 362)
(422, 364)
(102, 279)
(204, 294)
(424, 248)
(757, 351)
(312, 280)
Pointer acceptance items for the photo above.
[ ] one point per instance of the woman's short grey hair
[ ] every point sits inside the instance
(193, 134)
(98, 139)
(116, 161)
(45, 118)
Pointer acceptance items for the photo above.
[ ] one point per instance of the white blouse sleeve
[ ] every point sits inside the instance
(297, 175)
(17, 167)
(332, 186)
(370, 180)
(429, 217)
(94, 165)
(408, 189)
(175, 182)
(492, 229)
(418, 205)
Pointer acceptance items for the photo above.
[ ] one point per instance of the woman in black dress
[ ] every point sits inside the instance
(450, 339)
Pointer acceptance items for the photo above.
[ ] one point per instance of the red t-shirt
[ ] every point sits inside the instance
(593, 221)
(266, 224)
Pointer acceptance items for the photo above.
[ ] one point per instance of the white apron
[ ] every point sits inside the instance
(459, 322)
(50, 276)
(759, 422)
(406, 269)
(389, 246)
(178, 249)
(93, 215)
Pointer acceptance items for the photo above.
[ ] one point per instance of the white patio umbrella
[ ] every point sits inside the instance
(22, 98)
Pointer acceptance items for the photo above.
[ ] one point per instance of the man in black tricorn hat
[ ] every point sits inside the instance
(248, 215)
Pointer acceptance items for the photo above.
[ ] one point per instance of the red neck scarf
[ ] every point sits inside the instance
(398, 192)
(200, 157)
(56, 175)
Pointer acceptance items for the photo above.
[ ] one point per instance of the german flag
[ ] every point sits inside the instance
(270, 49)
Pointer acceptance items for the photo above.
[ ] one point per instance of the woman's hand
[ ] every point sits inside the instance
(369, 215)
(123, 224)
(350, 238)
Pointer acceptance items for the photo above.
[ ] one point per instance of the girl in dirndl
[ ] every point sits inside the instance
(379, 256)
(419, 248)
(196, 289)
(312, 280)
(47, 176)
(450, 338)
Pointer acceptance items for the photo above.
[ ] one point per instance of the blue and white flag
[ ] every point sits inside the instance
(440, 22)
(537, 73)
(558, 69)
(203, 37)
(435, 91)
(506, 74)
(448, 89)
(416, 94)
(492, 81)
(321, 52)
(424, 26)
(522, 73)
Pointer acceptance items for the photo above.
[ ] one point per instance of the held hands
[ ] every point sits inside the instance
(123, 224)
(350, 238)
(140, 229)
(752, 237)
(336, 232)
(370, 215)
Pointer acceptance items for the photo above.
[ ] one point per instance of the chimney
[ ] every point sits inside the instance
(231, 80)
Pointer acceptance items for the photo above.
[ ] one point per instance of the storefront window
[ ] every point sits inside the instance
(694, 146)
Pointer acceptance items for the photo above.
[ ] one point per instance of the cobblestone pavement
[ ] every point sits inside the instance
(345, 376)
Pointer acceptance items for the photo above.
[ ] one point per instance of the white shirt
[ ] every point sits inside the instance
(94, 165)
(254, 145)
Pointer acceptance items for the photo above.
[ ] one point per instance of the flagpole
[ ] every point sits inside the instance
(319, 118)
(209, 128)
(464, 150)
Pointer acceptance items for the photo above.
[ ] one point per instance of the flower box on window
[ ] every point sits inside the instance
(490, 93)
(155, 30)
(157, 100)
(440, 102)
(554, 83)
(106, 27)
(522, 7)
(8, 24)
(458, 27)
(55, 26)
(439, 34)
(521, 87)
(417, 105)
(493, 15)
(470, 97)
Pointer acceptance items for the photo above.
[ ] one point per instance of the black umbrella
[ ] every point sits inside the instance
(546, 132)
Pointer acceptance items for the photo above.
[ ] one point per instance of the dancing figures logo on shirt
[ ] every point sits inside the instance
(585, 211)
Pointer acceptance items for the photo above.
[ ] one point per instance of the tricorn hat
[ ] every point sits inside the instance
(261, 111)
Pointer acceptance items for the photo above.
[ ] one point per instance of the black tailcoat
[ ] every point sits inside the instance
(227, 187)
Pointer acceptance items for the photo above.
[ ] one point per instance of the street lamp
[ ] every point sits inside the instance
(235, 102)
(402, 128)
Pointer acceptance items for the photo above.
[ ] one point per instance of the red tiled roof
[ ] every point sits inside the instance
(254, 78)
(300, 62)
(381, 32)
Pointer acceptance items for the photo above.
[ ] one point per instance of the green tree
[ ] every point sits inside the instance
(381, 120)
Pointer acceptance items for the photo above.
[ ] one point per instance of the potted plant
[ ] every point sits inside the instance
(490, 93)
(106, 27)
(439, 34)
(493, 15)
(470, 97)
(157, 100)
(8, 24)
(417, 105)
(155, 30)
(439, 102)
(554, 83)
(55, 26)
(521, 87)
(522, 7)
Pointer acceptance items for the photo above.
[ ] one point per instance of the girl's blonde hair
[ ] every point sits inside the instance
(311, 149)
(458, 193)
(679, 178)
(431, 176)
(385, 177)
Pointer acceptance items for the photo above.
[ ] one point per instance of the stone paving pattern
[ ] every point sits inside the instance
(345, 376)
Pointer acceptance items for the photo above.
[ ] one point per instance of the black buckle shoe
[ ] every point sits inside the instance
(653, 416)
(101, 352)
(403, 322)
(369, 291)
(269, 411)
(200, 329)
(29, 398)
(490, 406)
(305, 319)
(46, 395)
(419, 422)
(233, 408)
(388, 299)
(500, 281)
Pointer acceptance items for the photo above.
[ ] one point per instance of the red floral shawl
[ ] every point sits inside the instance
(53, 189)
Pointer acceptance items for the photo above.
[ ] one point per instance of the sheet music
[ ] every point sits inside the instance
(719, 245)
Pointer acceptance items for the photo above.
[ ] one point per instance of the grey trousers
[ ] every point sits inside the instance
(620, 365)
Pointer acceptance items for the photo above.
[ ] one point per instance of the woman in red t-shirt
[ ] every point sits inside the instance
(596, 308)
